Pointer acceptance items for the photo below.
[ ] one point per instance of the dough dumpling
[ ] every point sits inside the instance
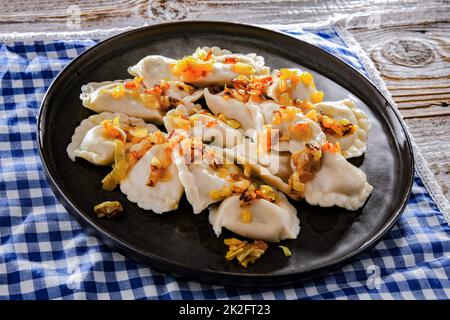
(224, 72)
(291, 130)
(277, 163)
(115, 97)
(269, 221)
(272, 168)
(203, 126)
(201, 179)
(98, 96)
(198, 180)
(247, 114)
(302, 88)
(352, 144)
(337, 183)
(90, 143)
(153, 69)
(215, 131)
(214, 70)
(164, 195)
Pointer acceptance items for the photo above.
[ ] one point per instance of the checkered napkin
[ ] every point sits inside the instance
(45, 254)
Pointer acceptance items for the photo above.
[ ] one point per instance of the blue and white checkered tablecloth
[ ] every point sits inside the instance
(45, 254)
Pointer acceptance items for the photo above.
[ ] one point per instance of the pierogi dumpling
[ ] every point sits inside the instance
(206, 180)
(290, 129)
(353, 123)
(203, 126)
(149, 104)
(277, 163)
(90, 142)
(152, 69)
(247, 114)
(337, 183)
(206, 67)
(292, 84)
(272, 168)
(270, 221)
(152, 183)
(216, 132)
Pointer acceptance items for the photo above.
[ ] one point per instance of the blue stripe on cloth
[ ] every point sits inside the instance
(45, 254)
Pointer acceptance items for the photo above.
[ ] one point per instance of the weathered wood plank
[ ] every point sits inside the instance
(52, 15)
(432, 137)
(414, 61)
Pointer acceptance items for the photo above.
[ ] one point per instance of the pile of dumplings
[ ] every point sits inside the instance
(234, 136)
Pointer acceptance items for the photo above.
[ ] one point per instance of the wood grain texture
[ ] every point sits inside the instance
(415, 64)
(408, 40)
(52, 15)
(414, 61)
(432, 136)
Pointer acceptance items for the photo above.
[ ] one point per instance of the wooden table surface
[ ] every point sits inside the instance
(409, 42)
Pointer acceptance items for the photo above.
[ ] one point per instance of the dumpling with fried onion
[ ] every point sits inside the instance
(293, 87)
(289, 129)
(246, 114)
(262, 219)
(273, 168)
(204, 175)
(216, 131)
(93, 139)
(153, 183)
(337, 183)
(132, 98)
(205, 67)
(345, 123)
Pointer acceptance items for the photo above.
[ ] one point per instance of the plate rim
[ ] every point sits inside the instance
(184, 271)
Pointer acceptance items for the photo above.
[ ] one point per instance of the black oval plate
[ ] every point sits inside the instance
(184, 244)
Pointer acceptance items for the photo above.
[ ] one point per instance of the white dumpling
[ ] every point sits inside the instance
(205, 127)
(182, 93)
(153, 69)
(337, 183)
(89, 141)
(272, 168)
(96, 147)
(98, 96)
(215, 131)
(164, 195)
(299, 91)
(266, 108)
(222, 55)
(296, 144)
(271, 222)
(198, 180)
(223, 73)
(286, 128)
(277, 163)
(352, 145)
(247, 114)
